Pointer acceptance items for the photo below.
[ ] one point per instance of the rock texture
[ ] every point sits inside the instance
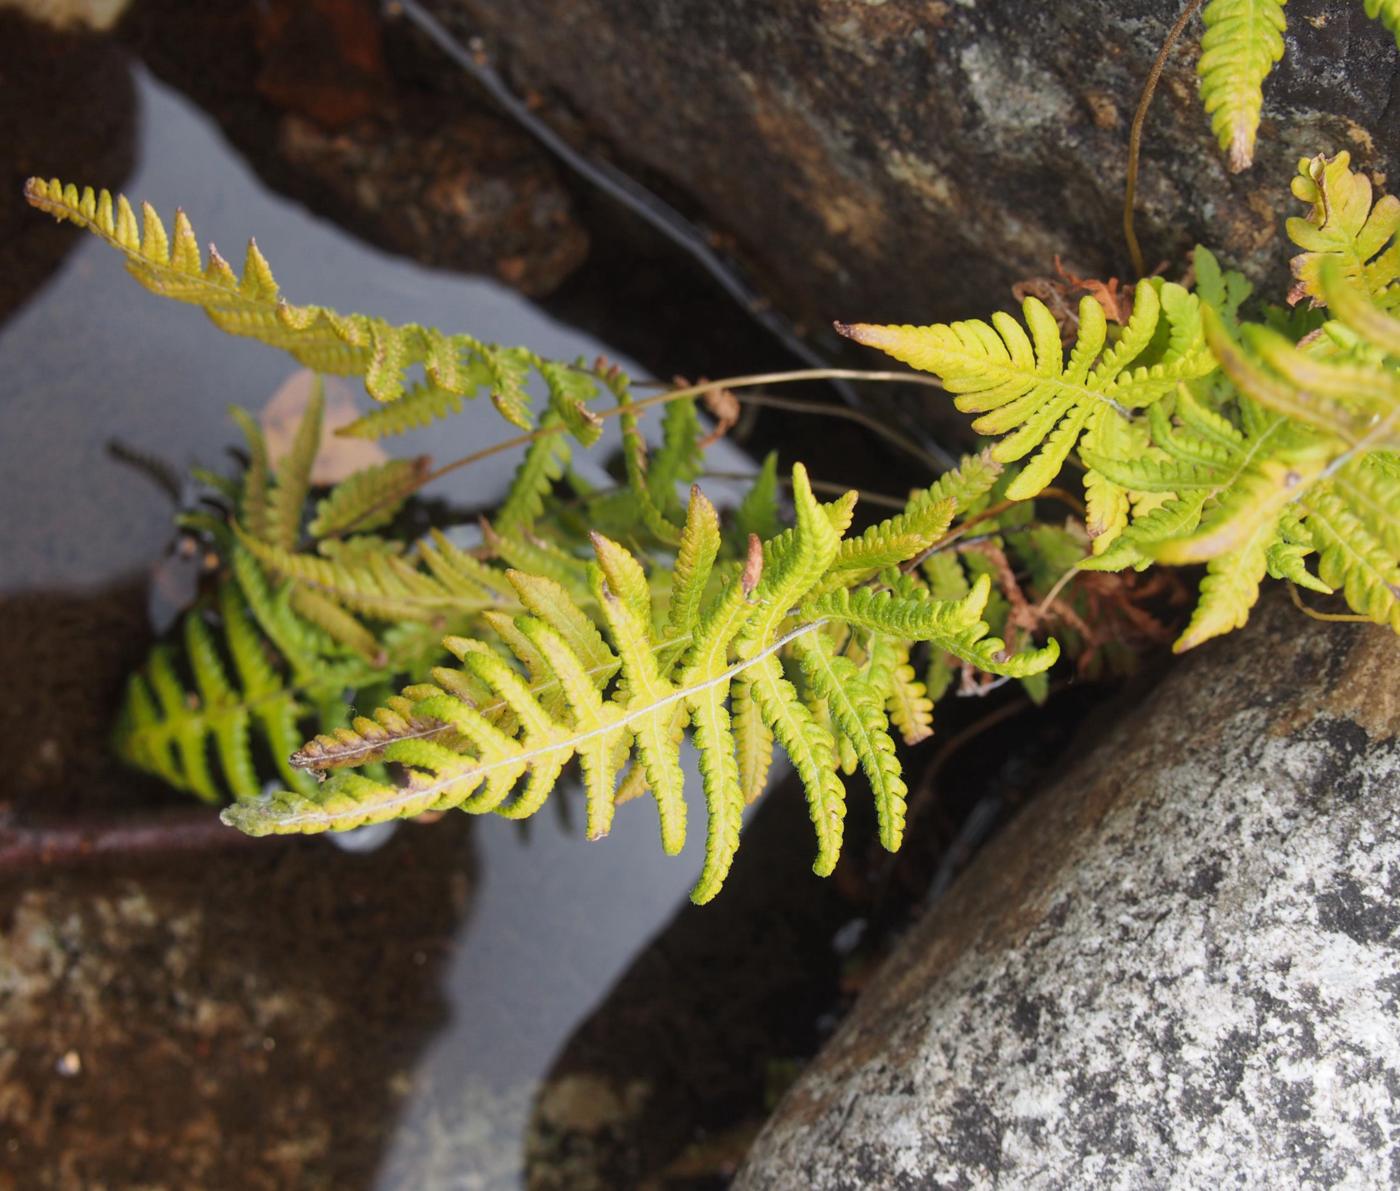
(1181, 963)
(318, 98)
(909, 159)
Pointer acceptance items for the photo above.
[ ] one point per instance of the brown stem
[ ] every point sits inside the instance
(1135, 137)
(41, 844)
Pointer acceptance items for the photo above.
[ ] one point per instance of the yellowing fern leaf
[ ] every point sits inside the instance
(1346, 228)
(712, 658)
(1242, 41)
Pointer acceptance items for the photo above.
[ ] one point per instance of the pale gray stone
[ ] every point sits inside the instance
(1178, 967)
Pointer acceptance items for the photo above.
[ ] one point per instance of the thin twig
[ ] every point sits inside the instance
(732, 382)
(1135, 137)
(41, 844)
(827, 486)
(1339, 617)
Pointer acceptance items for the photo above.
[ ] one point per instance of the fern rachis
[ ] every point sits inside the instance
(743, 628)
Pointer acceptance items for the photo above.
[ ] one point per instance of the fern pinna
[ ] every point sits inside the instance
(1204, 440)
(258, 662)
(1242, 43)
(747, 653)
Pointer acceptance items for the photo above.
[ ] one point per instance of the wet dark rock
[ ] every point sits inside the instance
(316, 99)
(906, 160)
(1182, 959)
(78, 105)
(244, 1020)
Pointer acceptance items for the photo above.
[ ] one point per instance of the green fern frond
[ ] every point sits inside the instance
(1344, 227)
(293, 477)
(710, 656)
(1023, 388)
(368, 499)
(380, 584)
(251, 305)
(1242, 41)
(420, 406)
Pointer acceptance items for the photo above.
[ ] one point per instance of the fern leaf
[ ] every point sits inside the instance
(757, 513)
(713, 661)
(420, 406)
(1345, 227)
(251, 305)
(953, 627)
(857, 710)
(1242, 42)
(381, 585)
(542, 466)
(254, 507)
(1355, 523)
(910, 708)
(753, 739)
(1022, 387)
(294, 474)
(812, 750)
(1223, 290)
(1344, 400)
(368, 499)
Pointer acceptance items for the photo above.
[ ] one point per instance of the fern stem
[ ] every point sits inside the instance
(415, 793)
(1135, 136)
(1340, 617)
(866, 497)
(733, 382)
(874, 425)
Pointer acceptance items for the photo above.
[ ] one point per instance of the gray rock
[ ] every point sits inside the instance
(906, 160)
(1178, 967)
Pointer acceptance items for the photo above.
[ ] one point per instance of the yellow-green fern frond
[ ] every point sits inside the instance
(1242, 41)
(1022, 386)
(622, 673)
(1346, 228)
(251, 304)
(368, 499)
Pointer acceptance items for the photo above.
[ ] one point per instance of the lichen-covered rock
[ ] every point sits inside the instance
(905, 160)
(1181, 962)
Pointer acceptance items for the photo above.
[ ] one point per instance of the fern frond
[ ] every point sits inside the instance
(294, 474)
(757, 513)
(368, 499)
(1023, 388)
(712, 659)
(1345, 227)
(380, 584)
(252, 305)
(420, 406)
(1242, 41)
(174, 727)
(1354, 522)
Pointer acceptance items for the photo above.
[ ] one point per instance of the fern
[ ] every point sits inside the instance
(617, 676)
(1343, 226)
(1304, 467)
(169, 263)
(256, 665)
(1254, 449)
(1023, 388)
(1242, 42)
